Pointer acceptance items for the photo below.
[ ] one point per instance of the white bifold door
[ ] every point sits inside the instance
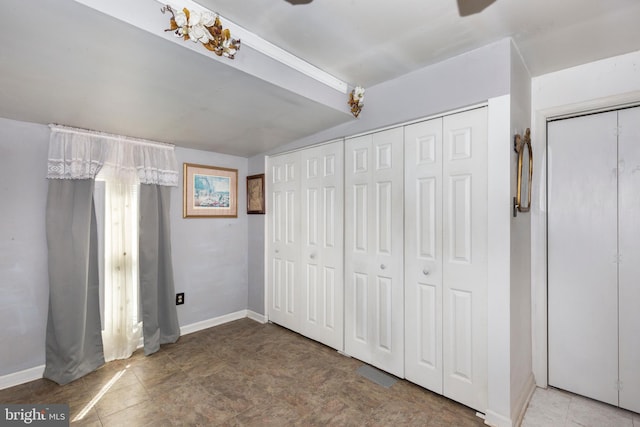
(284, 241)
(374, 288)
(629, 255)
(322, 254)
(446, 256)
(305, 251)
(594, 256)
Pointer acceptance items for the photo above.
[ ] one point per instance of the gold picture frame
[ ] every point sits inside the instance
(255, 194)
(209, 192)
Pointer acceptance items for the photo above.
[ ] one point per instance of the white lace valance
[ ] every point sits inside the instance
(81, 154)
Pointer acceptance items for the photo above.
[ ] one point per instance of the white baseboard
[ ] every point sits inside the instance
(523, 402)
(497, 420)
(257, 317)
(520, 407)
(209, 323)
(36, 373)
(21, 377)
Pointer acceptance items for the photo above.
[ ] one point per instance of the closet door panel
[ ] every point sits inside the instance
(359, 331)
(388, 177)
(284, 271)
(583, 256)
(322, 249)
(423, 254)
(464, 249)
(629, 267)
(374, 330)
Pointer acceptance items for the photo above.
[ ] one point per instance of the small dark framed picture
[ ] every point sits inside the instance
(255, 194)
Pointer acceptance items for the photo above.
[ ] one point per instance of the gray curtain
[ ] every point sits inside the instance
(157, 291)
(74, 337)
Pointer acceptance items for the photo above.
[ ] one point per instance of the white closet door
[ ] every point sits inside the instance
(374, 297)
(583, 256)
(464, 247)
(283, 255)
(629, 267)
(423, 254)
(322, 292)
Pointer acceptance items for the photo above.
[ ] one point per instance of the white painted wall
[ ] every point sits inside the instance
(209, 255)
(521, 381)
(610, 82)
(23, 245)
(255, 253)
(499, 213)
(510, 379)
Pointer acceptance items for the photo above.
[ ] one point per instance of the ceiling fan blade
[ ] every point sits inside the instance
(295, 2)
(471, 7)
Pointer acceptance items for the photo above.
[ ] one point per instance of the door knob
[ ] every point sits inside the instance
(277, 251)
(312, 256)
(382, 266)
(425, 272)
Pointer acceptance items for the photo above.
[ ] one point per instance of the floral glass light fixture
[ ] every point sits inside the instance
(356, 100)
(205, 28)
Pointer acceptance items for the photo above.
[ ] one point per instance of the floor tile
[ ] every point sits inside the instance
(590, 413)
(147, 413)
(276, 414)
(557, 408)
(122, 398)
(192, 405)
(81, 417)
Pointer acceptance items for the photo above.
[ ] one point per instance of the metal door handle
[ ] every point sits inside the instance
(382, 266)
(277, 251)
(312, 256)
(425, 272)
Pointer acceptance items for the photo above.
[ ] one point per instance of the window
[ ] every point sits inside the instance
(117, 211)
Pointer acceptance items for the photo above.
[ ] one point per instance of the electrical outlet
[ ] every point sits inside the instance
(180, 298)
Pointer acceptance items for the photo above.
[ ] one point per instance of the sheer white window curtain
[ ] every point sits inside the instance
(121, 326)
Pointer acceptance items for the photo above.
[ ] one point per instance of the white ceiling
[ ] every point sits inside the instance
(369, 41)
(64, 62)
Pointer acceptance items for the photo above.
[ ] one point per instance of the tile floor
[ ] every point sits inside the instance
(557, 408)
(244, 373)
(237, 374)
